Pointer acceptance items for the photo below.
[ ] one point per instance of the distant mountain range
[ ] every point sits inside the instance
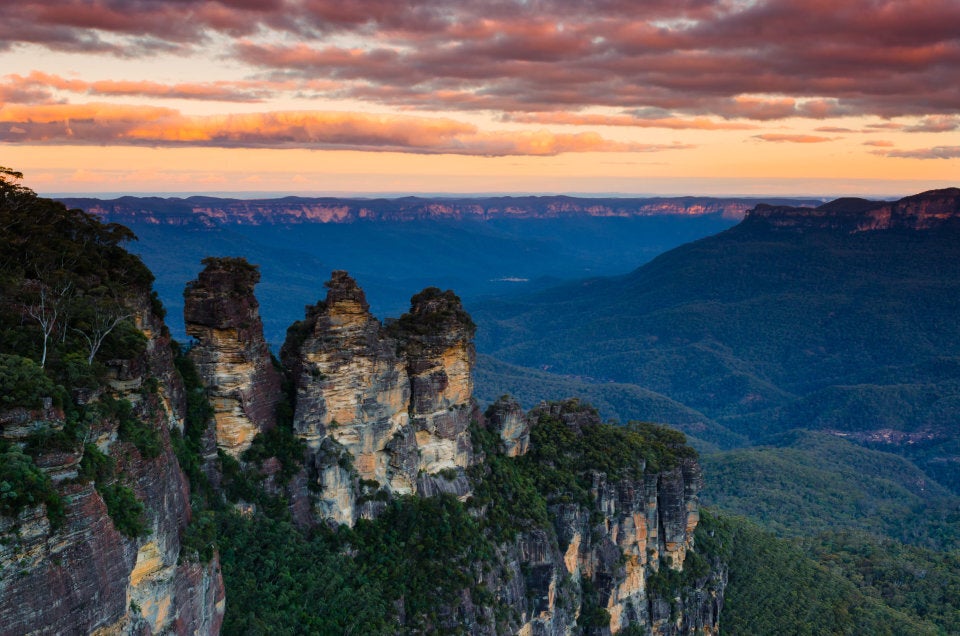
(212, 211)
(841, 318)
(395, 247)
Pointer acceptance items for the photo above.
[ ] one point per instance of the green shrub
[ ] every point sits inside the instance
(23, 484)
(125, 510)
(23, 383)
(131, 429)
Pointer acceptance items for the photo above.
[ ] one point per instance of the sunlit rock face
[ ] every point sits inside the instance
(396, 401)
(436, 341)
(925, 211)
(231, 355)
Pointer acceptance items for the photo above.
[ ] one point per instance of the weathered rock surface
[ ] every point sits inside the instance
(86, 577)
(508, 421)
(381, 405)
(436, 341)
(232, 357)
(630, 530)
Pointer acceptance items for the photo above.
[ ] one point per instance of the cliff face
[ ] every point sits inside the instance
(379, 408)
(436, 341)
(85, 576)
(231, 355)
(924, 211)
(623, 547)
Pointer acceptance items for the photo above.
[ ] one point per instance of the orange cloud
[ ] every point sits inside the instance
(36, 87)
(717, 58)
(675, 123)
(794, 139)
(108, 124)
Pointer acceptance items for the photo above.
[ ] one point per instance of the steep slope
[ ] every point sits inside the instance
(94, 500)
(221, 313)
(792, 318)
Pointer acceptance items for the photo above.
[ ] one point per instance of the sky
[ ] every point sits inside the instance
(722, 97)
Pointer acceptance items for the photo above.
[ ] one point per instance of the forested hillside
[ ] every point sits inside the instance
(813, 323)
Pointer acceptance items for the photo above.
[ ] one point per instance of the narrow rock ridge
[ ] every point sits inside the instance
(231, 355)
(381, 408)
(925, 211)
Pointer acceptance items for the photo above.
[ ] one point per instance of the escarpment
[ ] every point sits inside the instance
(924, 211)
(577, 526)
(231, 355)
(104, 554)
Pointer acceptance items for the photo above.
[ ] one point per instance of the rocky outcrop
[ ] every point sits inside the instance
(436, 341)
(925, 211)
(85, 576)
(381, 407)
(507, 419)
(231, 355)
(616, 549)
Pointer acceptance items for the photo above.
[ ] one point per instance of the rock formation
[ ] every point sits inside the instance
(232, 357)
(383, 407)
(613, 543)
(508, 421)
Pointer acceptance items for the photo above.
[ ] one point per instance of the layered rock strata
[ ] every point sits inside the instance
(85, 576)
(231, 355)
(381, 408)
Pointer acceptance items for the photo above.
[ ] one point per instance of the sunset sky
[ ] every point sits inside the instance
(803, 97)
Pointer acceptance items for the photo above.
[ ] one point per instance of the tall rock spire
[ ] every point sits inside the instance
(231, 355)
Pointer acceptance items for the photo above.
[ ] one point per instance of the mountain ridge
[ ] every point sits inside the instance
(773, 325)
(215, 211)
(923, 211)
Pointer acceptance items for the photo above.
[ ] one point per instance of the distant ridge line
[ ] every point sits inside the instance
(214, 211)
(924, 211)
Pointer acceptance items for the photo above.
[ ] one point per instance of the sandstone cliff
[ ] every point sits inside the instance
(381, 409)
(82, 574)
(624, 546)
(591, 526)
(924, 211)
(231, 355)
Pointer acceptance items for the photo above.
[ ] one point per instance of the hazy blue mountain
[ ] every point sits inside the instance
(394, 248)
(841, 319)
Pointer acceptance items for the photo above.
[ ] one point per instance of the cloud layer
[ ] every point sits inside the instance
(762, 60)
(109, 124)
